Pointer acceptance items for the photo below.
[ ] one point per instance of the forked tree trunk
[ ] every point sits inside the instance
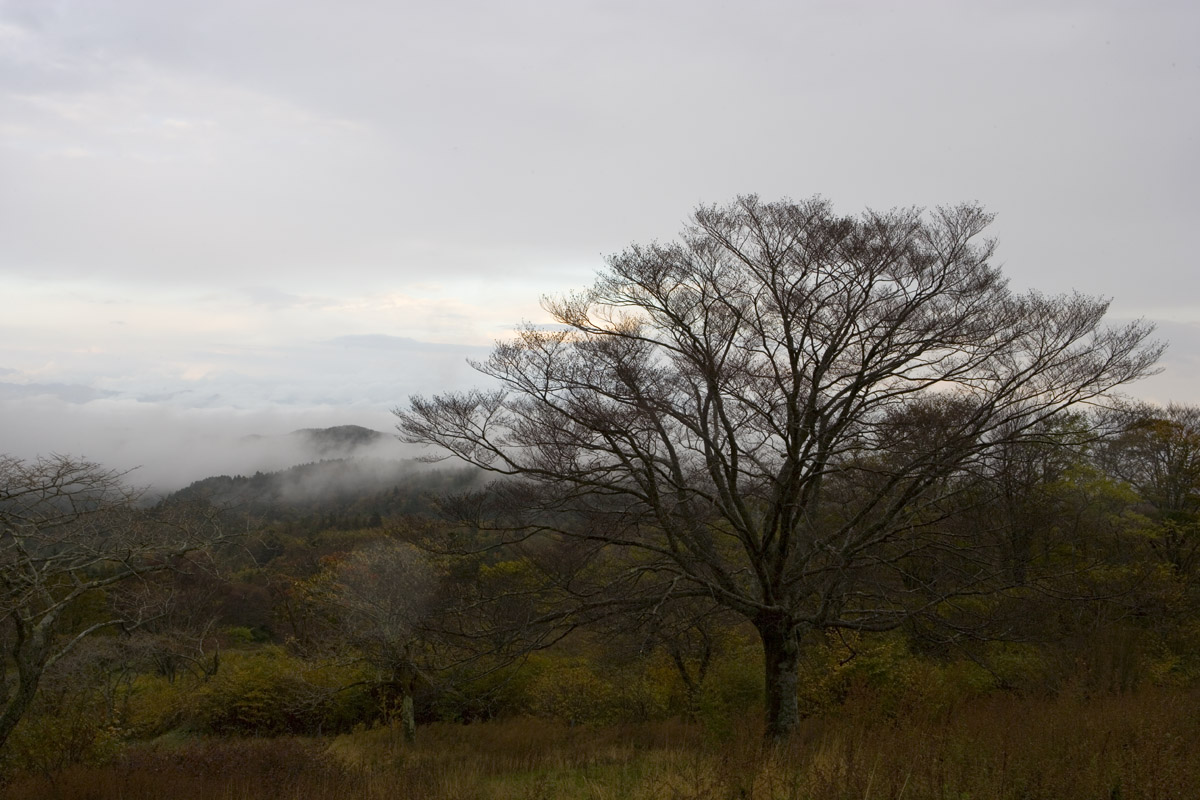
(30, 654)
(781, 662)
(17, 704)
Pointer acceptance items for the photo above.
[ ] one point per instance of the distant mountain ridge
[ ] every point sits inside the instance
(340, 437)
(339, 441)
(333, 492)
(342, 479)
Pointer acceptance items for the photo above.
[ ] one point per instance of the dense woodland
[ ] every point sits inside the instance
(911, 546)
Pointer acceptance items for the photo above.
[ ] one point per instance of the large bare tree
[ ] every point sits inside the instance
(71, 530)
(779, 410)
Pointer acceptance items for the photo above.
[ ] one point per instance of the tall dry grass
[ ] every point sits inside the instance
(1129, 746)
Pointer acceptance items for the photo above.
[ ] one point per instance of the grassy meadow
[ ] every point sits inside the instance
(1001, 747)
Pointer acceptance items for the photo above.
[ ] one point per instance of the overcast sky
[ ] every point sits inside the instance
(253, 216)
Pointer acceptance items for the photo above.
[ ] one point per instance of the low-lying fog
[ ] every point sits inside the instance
(168, 448)
(168, 444)
(236, 420)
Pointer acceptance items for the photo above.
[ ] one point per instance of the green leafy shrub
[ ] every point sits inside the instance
(571, 690)
(735, 685)
(260, 692)
(46, 741)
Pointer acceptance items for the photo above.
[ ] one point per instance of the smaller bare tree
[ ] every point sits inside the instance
(384, 591)
(71, 530)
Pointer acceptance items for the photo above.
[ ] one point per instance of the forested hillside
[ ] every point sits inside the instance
(349, 597)
(343, 492)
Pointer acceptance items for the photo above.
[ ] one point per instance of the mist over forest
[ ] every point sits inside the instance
(232, 422)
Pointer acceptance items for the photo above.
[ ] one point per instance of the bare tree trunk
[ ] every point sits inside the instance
(408, 718)
(30, 655)
(781, 662)
(404, 679)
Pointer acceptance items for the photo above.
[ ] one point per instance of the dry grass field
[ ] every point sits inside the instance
(1134, 746)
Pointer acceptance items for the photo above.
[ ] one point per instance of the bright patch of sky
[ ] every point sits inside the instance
(267, 214)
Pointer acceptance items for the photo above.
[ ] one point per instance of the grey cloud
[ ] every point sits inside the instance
(277, 299)
(67, 392)
(245, 184)
(404, 344)
(577, 129)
